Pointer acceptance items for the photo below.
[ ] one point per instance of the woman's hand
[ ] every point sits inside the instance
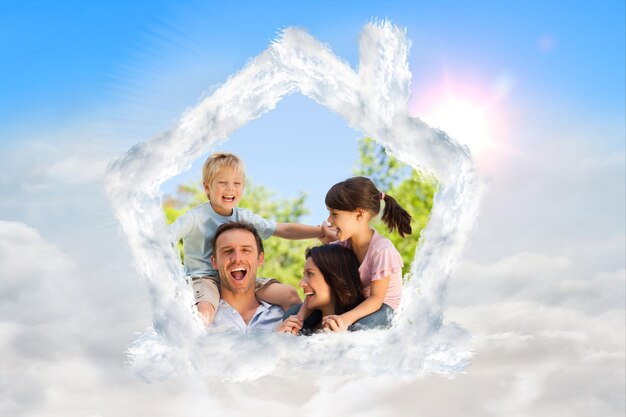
(334, 323)
(292, 324)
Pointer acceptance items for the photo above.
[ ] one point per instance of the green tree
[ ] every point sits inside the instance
(412, 189)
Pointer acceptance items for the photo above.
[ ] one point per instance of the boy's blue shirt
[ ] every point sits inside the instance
(197, 227)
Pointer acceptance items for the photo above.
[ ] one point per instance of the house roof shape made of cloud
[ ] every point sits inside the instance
(373, 100)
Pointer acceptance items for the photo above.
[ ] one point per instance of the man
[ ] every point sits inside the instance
(237, 254)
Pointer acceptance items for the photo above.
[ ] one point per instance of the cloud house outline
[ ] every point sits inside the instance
(372, 100)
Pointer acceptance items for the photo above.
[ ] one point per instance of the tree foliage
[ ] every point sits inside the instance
(284, 259)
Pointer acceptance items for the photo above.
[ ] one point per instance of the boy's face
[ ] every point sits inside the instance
(225, 190)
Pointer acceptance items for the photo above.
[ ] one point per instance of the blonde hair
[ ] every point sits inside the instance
(218, 161)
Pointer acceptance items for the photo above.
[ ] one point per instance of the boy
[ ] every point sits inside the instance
(223, 179)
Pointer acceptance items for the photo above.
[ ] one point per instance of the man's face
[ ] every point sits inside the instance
(237, 259)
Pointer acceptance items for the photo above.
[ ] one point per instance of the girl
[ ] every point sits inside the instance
(352, 204)
(331, 284)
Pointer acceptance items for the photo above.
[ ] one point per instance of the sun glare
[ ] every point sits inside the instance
(469, 112)
(464, 120)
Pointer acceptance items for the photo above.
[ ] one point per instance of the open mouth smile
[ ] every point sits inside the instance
(238, 273)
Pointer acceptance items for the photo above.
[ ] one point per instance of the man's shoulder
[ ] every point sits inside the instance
(227, 319)
(271, 307)
(270, 312)
(267, 317)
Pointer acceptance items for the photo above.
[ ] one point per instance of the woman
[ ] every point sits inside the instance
(331, 285)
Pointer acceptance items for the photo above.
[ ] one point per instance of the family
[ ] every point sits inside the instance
(353, 281)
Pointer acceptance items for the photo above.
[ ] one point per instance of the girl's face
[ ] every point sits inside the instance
(345, 221)
(316, 290)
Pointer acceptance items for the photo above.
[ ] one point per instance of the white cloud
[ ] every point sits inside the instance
(550, 360)
(551, 197)
(540, 278)
(64, 325)
(30, 267)
(547, 319)
(47, 163)
(80, 167)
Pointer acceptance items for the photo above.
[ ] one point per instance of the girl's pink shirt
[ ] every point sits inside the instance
(382, 259)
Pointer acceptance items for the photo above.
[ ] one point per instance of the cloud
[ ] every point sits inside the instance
(31, 271)
(556, 281)
(531, 360)
(549, 360)
(63, 328)
(554, 196)
(30, 266)
(89, 164)
(547, 324)
(46, 163)
(541, 289)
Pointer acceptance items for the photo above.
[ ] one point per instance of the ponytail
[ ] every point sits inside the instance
(360, 192)
(396, 217)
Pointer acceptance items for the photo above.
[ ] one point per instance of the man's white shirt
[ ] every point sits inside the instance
(267, 318)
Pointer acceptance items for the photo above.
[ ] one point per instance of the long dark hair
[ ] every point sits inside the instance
(360, 192)
(340, 269)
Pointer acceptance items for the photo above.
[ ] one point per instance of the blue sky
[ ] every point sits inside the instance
(79, 50)
(536, 89)
(122, 72)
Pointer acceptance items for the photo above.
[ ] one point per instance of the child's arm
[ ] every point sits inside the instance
(297, 231)
(329, 233)
(283, 295)
(378, 290)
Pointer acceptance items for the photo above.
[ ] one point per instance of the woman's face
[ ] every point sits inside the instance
(316, 290)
